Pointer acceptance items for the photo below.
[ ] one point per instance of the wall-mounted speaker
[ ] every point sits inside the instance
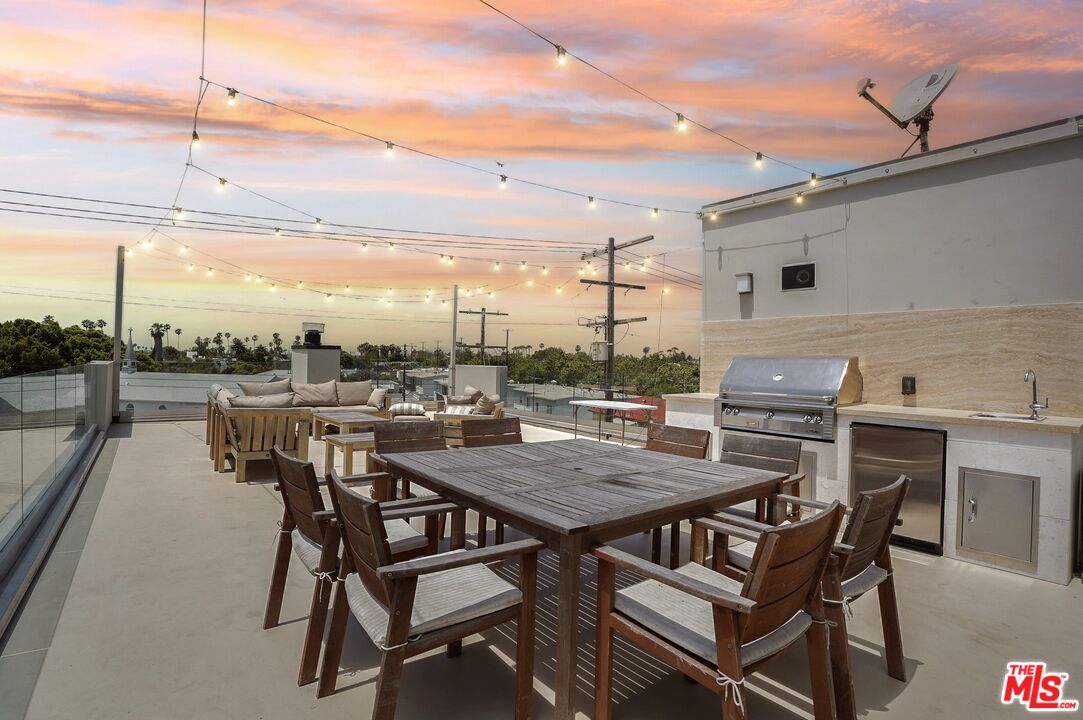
(799, 276)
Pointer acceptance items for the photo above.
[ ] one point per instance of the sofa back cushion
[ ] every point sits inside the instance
(314, 394)
(473, 393)
(486, 404)
(280, 400)
(354, 393)
(270, 387)
(378, 397)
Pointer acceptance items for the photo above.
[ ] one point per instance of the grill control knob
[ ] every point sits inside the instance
(817, 420)
(769, 414)
(807, 418)
(727, 411)
(736, 411)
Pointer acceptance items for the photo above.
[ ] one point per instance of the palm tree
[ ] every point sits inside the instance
(87, 324)
(646, 351)
(157, 331)
(579, 348)
(178, 332)
(101, 324)
(167, 327)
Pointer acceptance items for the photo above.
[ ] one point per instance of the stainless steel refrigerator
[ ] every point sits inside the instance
(880, 453)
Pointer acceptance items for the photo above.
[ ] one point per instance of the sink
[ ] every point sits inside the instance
(1005, 416)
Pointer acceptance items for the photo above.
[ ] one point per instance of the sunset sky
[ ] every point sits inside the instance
(97, 101)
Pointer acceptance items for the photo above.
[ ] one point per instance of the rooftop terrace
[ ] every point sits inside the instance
(151, 601)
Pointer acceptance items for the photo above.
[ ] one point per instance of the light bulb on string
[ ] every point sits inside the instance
(183, 250)
(654, 213)
(443, 259)
(800, 198)
(522, 265)
(759, 159)
(682, 125)
(210, 272)
(492, 295)
(271, 287)
(191, 267)
(146, 243)
(714, 216)
(560, 289)
(259, 279)
(627, 266)
(812, 180)
(582, 271)
(391, 247)
(648, 260)
(319, 223)
(221, 185)
(248, 277)
(665, 291)
(562, 56)
(496, 267)
(178, 213)
(503, 182)
(278, 231)
(328, 297)
(231, 96)
(364, 247)
(450, 260)
(443, 303)
(347, 289)
(195, 139)
(545, 270)
(530, 283)
(390, 291)
(300, 284)
(590, 201)
(390, 148)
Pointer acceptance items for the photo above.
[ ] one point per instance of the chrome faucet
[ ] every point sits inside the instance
(1030, 377)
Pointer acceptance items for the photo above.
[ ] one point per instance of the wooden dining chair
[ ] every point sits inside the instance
(686, 442)
(307, 531)
(862, 562)
(765, 453)
(716, 630)
(408, 608)
(490, 433)
(404, 437)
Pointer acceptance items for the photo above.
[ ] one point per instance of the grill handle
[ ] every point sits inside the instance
(786, 396)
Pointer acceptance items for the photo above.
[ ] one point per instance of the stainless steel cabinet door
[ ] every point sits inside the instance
(998, 514)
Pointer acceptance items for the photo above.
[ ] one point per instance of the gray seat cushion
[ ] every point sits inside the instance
(443, 599)
(346, 408)
(401, 536)
(689, 622)
(281, 400)
(864, 581)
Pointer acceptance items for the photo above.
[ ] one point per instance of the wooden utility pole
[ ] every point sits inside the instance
(484, 313)
(118, 320)
(609, 322)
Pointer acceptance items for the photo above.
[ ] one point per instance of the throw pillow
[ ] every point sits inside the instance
(270, 387)
(315, 394)
(459, 410)
(281, 400)
(355, 393)
(473, 393)
(459, 400)
(376, 399)
(405, 408)
(486, 404)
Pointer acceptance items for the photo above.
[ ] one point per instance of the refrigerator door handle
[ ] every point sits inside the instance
(973, 510)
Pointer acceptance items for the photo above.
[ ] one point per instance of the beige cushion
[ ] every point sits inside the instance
(355, 393)
(689, 622)
(472, 392)
(213, 392)
(405, 408)
(377, 398)
(314, 394)
(486, 404)
(401, 536)
(332, 409)
(864, 581)
(271, 387)
(281, 400)
(460, 400)
(443, 599)
(458, 410)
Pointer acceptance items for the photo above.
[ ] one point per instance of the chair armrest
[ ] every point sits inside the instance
(364, 478)
(403, 513)
(693, 587)
(727, 529)
(323, 515)
(793, 480)
(448, 561)
(741, 522)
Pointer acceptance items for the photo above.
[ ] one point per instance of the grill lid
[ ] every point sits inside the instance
(820, 380)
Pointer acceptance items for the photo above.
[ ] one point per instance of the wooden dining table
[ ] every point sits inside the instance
(576, 495)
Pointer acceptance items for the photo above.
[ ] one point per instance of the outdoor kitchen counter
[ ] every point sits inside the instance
(961, 417)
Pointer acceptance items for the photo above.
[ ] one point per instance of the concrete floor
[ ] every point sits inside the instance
(168, 565)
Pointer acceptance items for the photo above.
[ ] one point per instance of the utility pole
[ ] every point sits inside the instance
(454, 334)
(609, 322)
(507, 338)
(484, 313)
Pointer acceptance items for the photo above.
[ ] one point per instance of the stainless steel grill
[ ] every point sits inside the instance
(792, 396)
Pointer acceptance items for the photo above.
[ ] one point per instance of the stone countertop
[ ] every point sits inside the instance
(960, 417)
(691, 397)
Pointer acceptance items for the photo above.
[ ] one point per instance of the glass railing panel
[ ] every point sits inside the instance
(11, 455)
(154, 391)
(71, 411)
(39, 434)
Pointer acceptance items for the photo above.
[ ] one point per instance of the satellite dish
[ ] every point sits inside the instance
(914, 103)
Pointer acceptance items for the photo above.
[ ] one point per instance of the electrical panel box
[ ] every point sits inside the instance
(598, 351)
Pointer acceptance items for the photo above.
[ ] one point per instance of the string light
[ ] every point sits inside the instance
(319, 222)
(443, 259)
(681, 124)
(492, 295)
(799, 198)
(648, 260)
(522, 265)
(146, 243)
(178, 212)
(590, 201)
(390, 148)
(391, 247)
(390, 291)
(259, 279)
(812, 180)
(231, 96)
(347, 289)
(496, 266)
(665, 291)
(221, 184)
(328, 297)
(450, 260)
(759, 159)
(183, 250)
(545, 270)
(714, 216)
(364, 247)
(443, 303)
(582, 271)
(300, 284)
(530, 283)
(278, 231)
(195, 139)
(210, 272)
(503, 182)
(560, 290)
(654, 213)
(191, 267)
(247, 277)
(562, 56)
(627, 266)
(271, 288)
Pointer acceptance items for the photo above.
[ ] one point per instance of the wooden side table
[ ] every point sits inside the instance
(349, 444)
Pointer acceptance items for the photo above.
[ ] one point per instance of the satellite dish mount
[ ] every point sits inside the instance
(914, 103)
